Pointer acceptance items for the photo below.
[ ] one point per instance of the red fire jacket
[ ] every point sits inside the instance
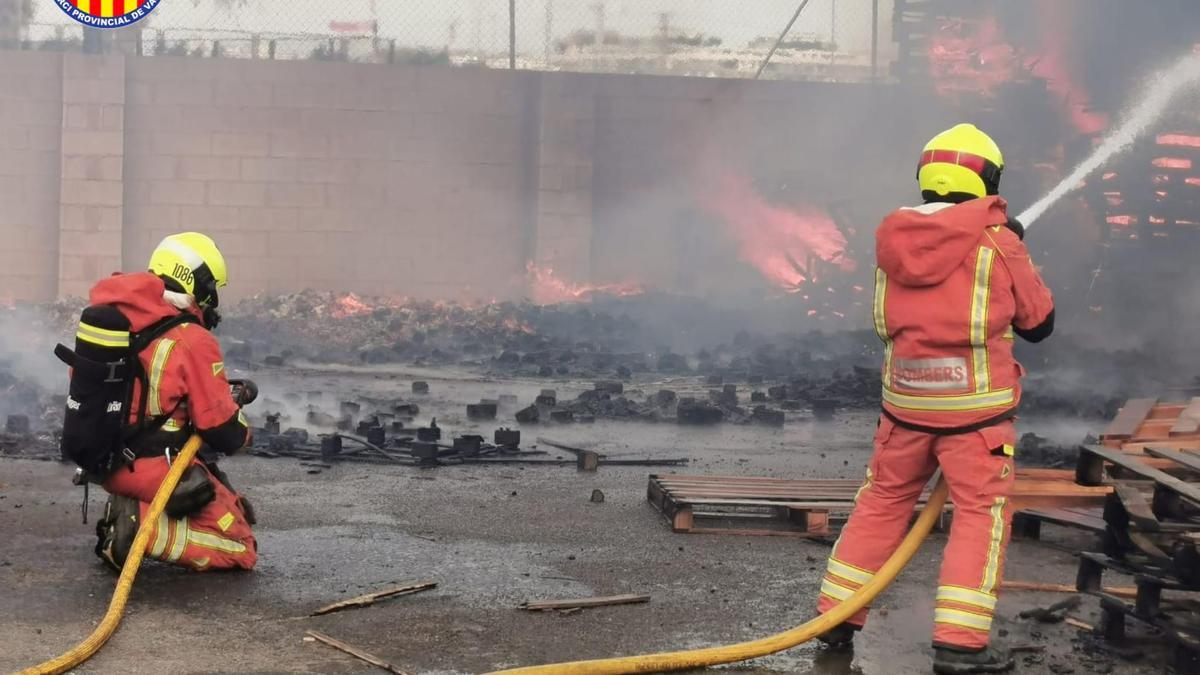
(951, 285)
(184, 367)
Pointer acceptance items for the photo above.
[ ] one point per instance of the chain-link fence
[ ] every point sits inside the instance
(830, 39)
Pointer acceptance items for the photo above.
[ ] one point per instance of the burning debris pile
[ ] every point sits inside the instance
(346, 328)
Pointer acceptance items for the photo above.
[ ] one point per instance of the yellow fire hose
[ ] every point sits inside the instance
(649, 663)
(711, 656)
(116, 607)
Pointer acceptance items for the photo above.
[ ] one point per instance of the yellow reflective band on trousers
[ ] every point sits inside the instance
(848, 572)
(179, 541)
(991, 399)
(995, 548)
(215, 543)
(967, 596)
(102, 336)
(158, 363)
(980, 299)
(835, 591)
(957, 617)
(881, 324)
(161, 536)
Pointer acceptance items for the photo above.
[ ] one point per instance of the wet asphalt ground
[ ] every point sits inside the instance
(492, 537)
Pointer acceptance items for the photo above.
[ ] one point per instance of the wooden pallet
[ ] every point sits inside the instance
(1174, 617)
(814, 507)
(1148, 420)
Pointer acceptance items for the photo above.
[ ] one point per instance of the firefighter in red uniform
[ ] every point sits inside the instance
(954, 287)
(209, 523)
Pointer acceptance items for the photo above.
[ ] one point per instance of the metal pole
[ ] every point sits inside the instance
(549, 29)
(788, 27)
(512, 34)
(874, 40)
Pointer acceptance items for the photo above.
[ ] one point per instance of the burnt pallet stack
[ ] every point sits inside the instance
(1150, 457)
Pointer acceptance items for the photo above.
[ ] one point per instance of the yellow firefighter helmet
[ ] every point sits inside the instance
(193, 261)
(958, 164)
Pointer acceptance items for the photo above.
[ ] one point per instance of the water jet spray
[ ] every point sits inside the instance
(1154, 102)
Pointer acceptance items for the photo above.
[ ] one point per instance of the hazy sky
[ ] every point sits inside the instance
(485, 22)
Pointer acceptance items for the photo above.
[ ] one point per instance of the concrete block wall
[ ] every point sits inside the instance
(91, 192)
(365, 178)
(31, 108)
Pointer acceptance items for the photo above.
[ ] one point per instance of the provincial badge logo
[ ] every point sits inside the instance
(107, 13)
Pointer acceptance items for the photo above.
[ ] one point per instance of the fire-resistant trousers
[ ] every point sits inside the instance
(218, 537)
(978, 466)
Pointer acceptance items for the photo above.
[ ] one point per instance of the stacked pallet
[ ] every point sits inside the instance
(1139, 423)
(1150, 457)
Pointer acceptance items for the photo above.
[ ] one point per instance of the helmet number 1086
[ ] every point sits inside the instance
(183, 274)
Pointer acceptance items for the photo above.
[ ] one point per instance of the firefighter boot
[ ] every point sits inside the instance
(115, 532)
(953, 660)
(840, 636)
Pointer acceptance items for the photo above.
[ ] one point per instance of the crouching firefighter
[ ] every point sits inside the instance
(954, 287)
(146, 374)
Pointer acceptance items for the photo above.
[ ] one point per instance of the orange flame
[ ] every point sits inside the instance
(547, 288)
(349, 305)
(782, 243)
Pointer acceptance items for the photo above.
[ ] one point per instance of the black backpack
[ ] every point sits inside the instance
(105, 364)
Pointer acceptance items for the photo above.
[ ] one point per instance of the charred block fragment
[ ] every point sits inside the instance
(695, 412)
(758, 397)
(331, 446)
(562, 416)
(427, 452)
(420, 387)
(778, 393)
(507, 438)
(376, 436)
(544, 400)
(469, 445)
(429, 434)
(529, 415)
(481, 411)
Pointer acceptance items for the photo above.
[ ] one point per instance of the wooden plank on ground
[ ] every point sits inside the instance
(1089, 520)
(1186, 460)
(1188, 422)
(1129, 418)
(1190, 492)
(1008, 585)
(355, 652)
(372, 598)
(543, 605)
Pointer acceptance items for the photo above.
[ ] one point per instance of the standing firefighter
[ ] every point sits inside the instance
(146, 375)
(954, 286)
